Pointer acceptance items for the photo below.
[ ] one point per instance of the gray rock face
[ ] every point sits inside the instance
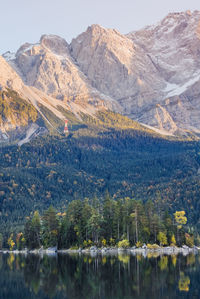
(49, 67)
(173, 45)
(117, 67)
(153, 73)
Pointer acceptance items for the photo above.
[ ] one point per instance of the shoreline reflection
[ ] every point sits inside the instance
(99, 276)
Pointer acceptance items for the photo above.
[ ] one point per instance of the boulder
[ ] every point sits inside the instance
(93, 248)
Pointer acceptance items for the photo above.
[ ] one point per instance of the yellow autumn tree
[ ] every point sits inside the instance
(180, 218)
(162, 238)
(173, 240)
(11, 243)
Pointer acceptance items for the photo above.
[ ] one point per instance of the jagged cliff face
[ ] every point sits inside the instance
(118, 67)
(49, 67)
(154, 78)
(46, 81)
(173, 45)
(151, 75)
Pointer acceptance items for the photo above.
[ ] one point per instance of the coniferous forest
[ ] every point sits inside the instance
(123, 223)
(91, 162)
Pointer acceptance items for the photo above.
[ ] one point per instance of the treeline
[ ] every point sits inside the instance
(123, 223)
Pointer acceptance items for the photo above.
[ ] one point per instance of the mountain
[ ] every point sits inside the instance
(118, 67)
(151, 75)
(49, 67)
(173, 46)
(52, 104)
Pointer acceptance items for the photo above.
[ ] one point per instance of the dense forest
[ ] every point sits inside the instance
(110, 154)
(123, 223)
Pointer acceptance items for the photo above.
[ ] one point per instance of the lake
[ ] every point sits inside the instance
(114, 276)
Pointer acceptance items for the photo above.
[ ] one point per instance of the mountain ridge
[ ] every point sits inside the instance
(150, 75)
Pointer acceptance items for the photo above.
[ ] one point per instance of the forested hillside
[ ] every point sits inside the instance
(15, 111)
(91, 161)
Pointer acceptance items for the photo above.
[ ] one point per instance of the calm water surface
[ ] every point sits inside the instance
(102, 276)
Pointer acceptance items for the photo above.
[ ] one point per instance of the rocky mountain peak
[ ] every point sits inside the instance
(95, 29)
(54, 43)
(96, 32)
(115, 65)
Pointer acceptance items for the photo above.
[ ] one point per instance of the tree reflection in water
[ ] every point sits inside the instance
(100, 276)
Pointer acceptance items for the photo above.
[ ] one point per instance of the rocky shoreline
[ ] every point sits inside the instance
(144, 251)
(170, 250)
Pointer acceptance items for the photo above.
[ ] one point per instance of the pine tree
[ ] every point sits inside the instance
(50, 228)
(32, 231)
(1, 241)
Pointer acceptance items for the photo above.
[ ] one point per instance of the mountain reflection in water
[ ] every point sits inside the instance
(101, 276)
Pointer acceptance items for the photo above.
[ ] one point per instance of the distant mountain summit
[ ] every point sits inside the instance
(151, 75)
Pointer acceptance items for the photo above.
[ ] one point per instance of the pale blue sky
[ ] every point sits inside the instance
(26, 20)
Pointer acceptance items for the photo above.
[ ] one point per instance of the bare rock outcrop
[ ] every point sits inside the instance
(117, 67)
(49, 67)
(8, 77)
